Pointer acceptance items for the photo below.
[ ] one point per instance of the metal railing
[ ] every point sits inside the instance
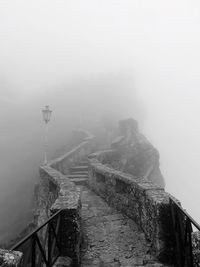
(183, 227)
(42, 247)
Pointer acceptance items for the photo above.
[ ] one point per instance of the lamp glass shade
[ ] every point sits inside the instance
(46, 114)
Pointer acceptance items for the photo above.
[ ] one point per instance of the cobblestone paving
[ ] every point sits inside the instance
(109, 238)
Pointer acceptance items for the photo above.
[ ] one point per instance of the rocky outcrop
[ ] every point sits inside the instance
(134, 154)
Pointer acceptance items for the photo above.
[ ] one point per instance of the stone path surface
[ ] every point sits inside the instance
(111, 239)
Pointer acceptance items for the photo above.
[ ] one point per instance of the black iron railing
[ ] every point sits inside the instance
(183, 225)
(42, 247)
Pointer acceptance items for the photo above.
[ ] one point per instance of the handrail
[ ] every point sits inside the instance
(182, 226)
(68, 154)
(42, 248)
(186, 214)
(34, 231)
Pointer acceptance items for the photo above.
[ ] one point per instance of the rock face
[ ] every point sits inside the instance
(134, 154)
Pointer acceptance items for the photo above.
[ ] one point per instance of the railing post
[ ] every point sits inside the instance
(183, 228)
(69, 232)
(33, 256)
(49, 245)
(190, 243)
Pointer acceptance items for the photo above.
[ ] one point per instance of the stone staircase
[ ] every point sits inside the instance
(79, 174)
(110, 239)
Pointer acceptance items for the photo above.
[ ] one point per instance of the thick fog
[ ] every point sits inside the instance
(89, 59)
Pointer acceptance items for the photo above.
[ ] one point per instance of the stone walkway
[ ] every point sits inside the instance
(109, 238)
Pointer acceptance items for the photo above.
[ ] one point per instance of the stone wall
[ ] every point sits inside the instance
(52, 175)
(68, 201)
(46, 192)
(141, 200)
(56, 192)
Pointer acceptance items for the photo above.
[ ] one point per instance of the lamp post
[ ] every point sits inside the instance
(46, 117)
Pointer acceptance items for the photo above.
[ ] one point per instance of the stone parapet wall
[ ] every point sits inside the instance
(46, 193)
(141, 200)
(69, 202)
(56, 192)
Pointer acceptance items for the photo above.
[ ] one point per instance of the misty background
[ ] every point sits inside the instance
(89, 59)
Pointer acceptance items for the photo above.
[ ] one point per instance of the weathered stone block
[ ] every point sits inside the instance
(196, 248)
(10, 258)
(70, 224)
(63, 262)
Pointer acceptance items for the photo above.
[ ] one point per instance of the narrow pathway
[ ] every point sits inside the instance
(111, 239)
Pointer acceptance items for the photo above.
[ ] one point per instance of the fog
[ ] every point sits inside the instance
(89, 59)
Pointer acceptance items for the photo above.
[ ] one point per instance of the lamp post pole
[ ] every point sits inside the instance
(46, 117)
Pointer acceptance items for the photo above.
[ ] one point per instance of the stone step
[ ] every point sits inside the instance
(79, 181)
(71, 176)
(79, 173)
(79, 168)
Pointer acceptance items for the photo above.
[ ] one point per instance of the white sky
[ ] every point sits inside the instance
(45, 43)
(43, 39)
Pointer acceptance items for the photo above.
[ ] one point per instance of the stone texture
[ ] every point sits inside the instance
(70, 225)
(69, 233)
(57, 192)
(110, 238)
(10, 258)
(46, 193)
(63, 262)
(196, 248)
(142, 201)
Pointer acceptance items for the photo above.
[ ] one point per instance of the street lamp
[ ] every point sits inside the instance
(46, 117)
